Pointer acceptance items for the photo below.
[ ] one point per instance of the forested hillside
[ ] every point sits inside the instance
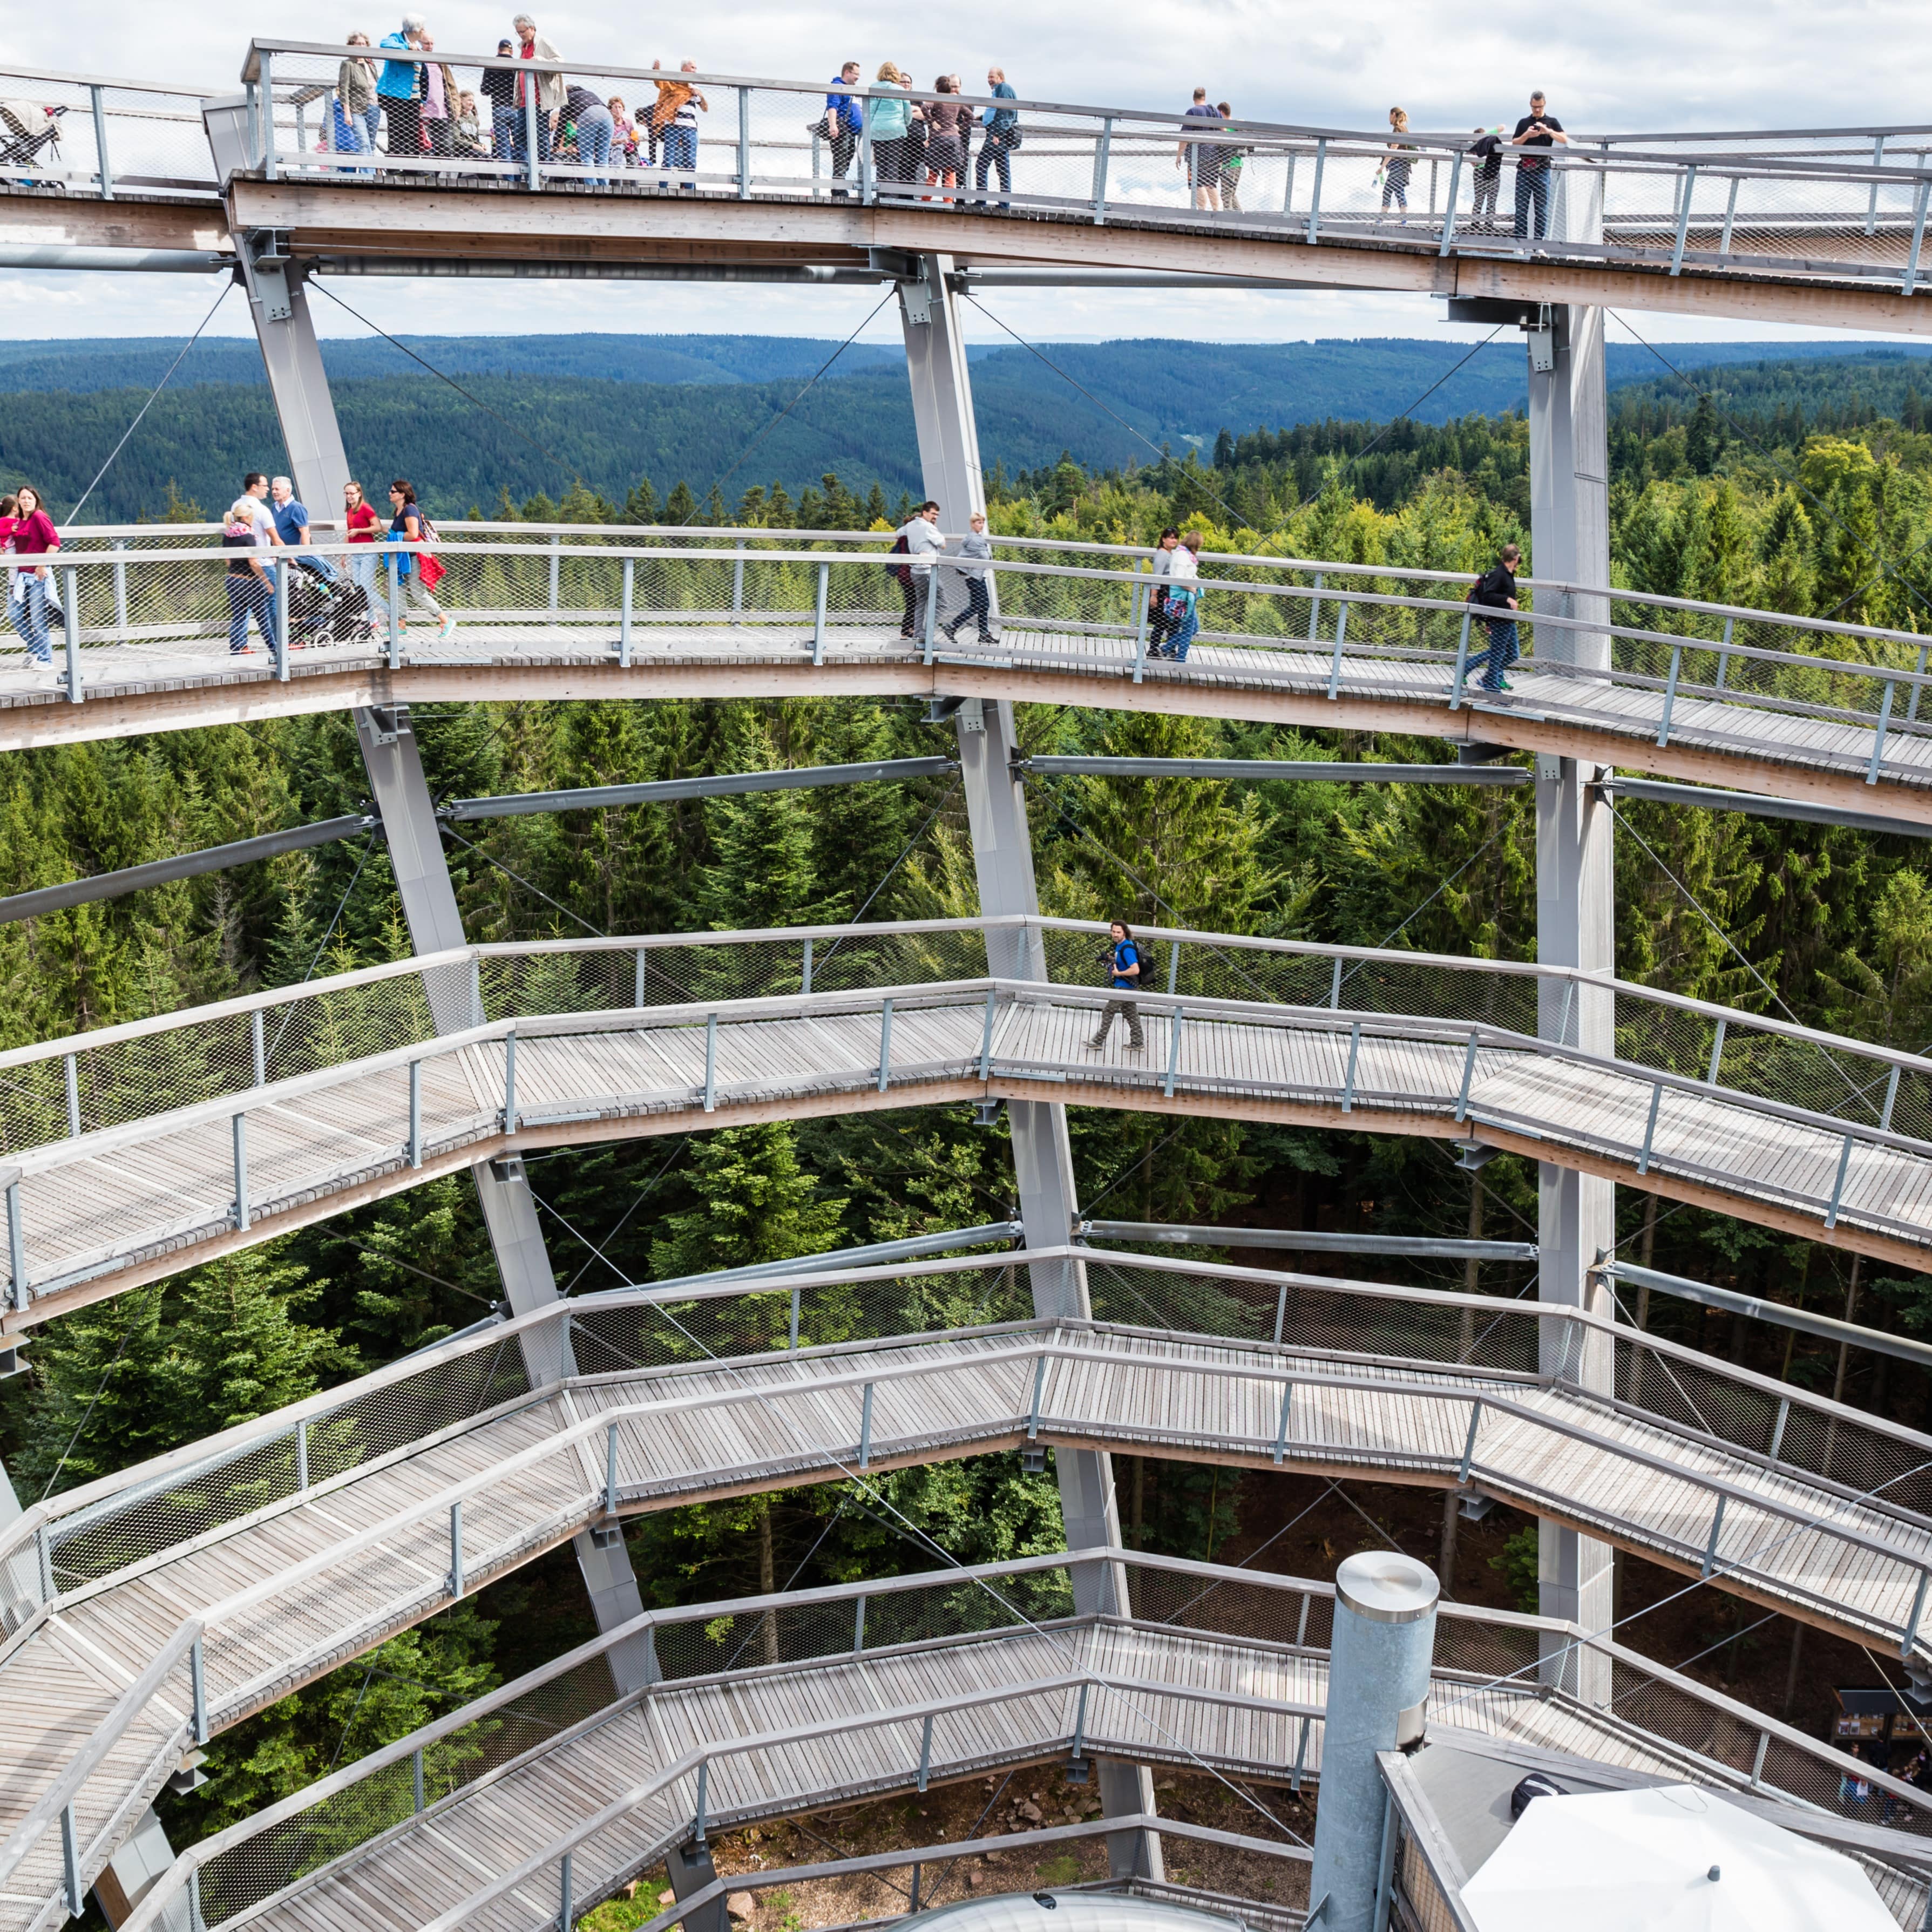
(1832, 515)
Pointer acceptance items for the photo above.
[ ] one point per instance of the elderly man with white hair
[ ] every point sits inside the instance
(292, 525)
(400, 91)
(531, 46)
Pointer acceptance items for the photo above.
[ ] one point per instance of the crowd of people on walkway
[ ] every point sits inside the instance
(924, 143)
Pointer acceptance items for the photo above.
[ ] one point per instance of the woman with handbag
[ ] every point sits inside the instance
(417, 573)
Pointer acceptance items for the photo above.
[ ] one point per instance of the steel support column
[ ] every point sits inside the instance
(278, 305)
(949, 448)
(1576, 908)
(402, 795)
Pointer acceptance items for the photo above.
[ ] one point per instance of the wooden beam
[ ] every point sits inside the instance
(70, 221)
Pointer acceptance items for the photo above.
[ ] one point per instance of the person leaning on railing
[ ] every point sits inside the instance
(1001, 137)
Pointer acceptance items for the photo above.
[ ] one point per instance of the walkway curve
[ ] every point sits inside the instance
(103, 1211)
(1830, 713)
(277, 1597)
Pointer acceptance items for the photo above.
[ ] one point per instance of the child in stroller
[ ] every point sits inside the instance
(26, 128)
(325, 609)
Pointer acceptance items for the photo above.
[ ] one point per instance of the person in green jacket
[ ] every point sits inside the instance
(891, 124)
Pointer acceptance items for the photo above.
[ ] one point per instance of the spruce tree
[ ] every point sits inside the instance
(753, 1204)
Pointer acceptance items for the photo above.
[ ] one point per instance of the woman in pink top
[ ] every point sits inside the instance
(27, 594)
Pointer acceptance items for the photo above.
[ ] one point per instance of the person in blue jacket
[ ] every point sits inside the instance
(400, 89)
(844, 121)
(1000, 139)
(1123, 959)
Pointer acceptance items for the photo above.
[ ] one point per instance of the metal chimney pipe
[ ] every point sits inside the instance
(1384, 1639)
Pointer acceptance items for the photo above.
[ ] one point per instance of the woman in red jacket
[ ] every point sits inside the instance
(30, 591)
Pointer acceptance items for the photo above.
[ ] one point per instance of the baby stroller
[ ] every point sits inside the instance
(26, 129)
(324, 610)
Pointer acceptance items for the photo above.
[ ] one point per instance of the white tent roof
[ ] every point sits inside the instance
(1641, 1861)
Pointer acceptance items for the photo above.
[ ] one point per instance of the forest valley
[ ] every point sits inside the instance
(1832, 927)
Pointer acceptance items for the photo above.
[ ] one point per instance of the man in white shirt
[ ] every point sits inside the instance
(923, 543)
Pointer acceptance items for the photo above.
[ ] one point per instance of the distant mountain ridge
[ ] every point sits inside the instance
(684, 407)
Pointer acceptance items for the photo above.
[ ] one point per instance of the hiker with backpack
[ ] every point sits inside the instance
(1122, 961)
(416, 572)
(1495, 590)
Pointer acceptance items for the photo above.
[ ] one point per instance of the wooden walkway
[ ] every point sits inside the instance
(307, 1583)
(160, 686)
(113, 1208)
(1164, 1712)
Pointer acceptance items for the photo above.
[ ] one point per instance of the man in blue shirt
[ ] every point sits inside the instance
(843, 120)
(1123, 973)
(1001, 138)
(291, 521)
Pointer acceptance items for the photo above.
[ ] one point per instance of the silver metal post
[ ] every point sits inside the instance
(1710, 1548)
(1724, 656)
(1335, 664)
(17, 1249)
(865, 1430)
(1878, 735)
(1449, 216)
(510, 1082)
(241, 1127)
(268, 116)
(258, 1047)
(926, 1752)
(885, 1045)
(791, 1325)
(456, 1548)
(737, 587)
(1281, 1433)
(72, 1065)
(869, 180)
(637, 979)
(415, 1113)
(1917, 233)
(1314, 607)
(476, 1013)
(395, 614)
(805, 970)
(1684, 220)
(302, 1455)
(711, 1063)
(1103, 155)
(416, 1776)
(1871, 209)
(986, 1041)
(1143, 602)
(1335, 988)
(1354, 1052)
(1917, 1611)
(611, 1471)
(1890, 1095)
(1469, 1444)
(1315, 199)
(1777, 1428)
(1280, 1311)
(121, 591)
(1468, 1074)
(44, 1550)
(531, 150)
(624, 615)
(281, 637)
(1757, 1762)
(71, 624)
(1838, 1184)
(1650, 1128)
(1173, 968)
(932, 610)
(101, 168)
(564, 1912)
(1288, 193)
(1462, 665)
(703, 1779)
(1730, 216)
(555, 573)
(1669, 695)
(858, 1624)
(1717, 1053)
(1173, 1055)
(818, 619)
(76, 1894)
(197, 1671)
(1918, 690)
(744, 174)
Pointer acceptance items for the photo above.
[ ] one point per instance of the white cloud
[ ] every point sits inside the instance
(1636, 64)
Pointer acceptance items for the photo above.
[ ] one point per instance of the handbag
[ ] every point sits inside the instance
(1012, 136)
(433, 570)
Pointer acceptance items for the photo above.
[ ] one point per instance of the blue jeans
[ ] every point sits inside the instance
(1503, 652)
(680, 147)
(520, 135)
(979, 606)
(362, 569)
(993, 153)
(501, 139)
(1183, 633)
(1532, 198)
(594, 130)
(29, 613)
(249, 596)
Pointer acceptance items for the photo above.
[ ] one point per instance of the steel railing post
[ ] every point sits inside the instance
(258, 1047)
(197, 1670)
(1143, 599)
(885, 1045)
(268, 116)
(1173, 1055)
(703, 1779)
(1650, 1128)
(1917, 689)
(43, 1550)
(1918, 232)
(858, 1625)
(1912, 1625)
(1314, 200)
(925, 1747)
(1878, 735)
(986, 1046)
(121, 591)
(556, 572)
(1355, 1051)
(456, 1548)
(17, 1249)
(1684, 220)
(638, 976)
(737, 589)
(711, 1063)
(611, 1471)
(1462, 665)
(251, 94)
(1871, 209)
(1669, 695)
(101, 168)
(1335, 663)
(931, 611)
(1717, 1530)
(1469, 1444)
(510, 1081)
(805, 968)
(72, 1068)
(1300, 1754)
(1280, 1312)
(818, 618)
(301, 1457)
(1730, 216)
(416, 1777)
(1173, 968)
(565, 1911)
(415, 1113)
(1315, 607)
(791, 1320)
(1449, 215)
(1335, 988)
(744, 170)
(395, 614)
(476, 1015)
(532, 153)
(1838, 1183)
(1039, 1389)
(868, 184)
(1724, 656)
(866, 1429)
(1103, 156)
(76, 1894)
(70, 625)
(624, 616)
(1717, 1053)
(1778, 1429)
(1890, 1095)
(1281, 1431)
(240, 1122)
(281, 637)
(1468, 1074)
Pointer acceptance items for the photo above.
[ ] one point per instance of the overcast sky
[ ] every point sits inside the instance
(1636, 66)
